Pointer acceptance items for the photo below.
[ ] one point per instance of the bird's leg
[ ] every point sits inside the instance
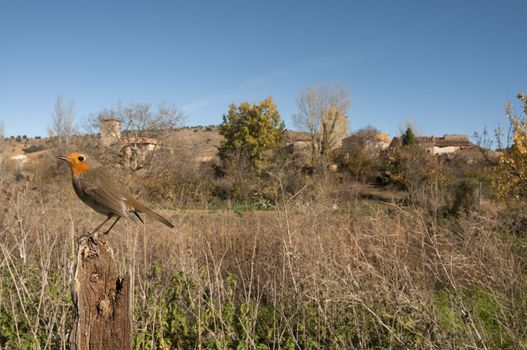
(94, 232)
(108, 230)
(101, 225)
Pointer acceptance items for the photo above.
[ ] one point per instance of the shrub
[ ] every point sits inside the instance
(421, 174)
(466, 197)
(360, 154)
(33, 148)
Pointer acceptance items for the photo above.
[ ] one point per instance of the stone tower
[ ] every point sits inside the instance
(110, 131)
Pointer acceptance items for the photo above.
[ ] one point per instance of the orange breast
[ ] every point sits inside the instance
(79, 168)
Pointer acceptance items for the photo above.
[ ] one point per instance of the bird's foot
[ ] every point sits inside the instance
(87, 235)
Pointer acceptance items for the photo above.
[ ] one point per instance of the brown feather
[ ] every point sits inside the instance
(98, 189)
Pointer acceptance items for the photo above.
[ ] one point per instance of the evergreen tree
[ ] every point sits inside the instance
(409, 137)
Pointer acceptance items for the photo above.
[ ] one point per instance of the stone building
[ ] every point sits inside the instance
(446, 144)
(134, 150)
(299, 144)
(297, 140)
(110, 131)
(371, 142)
(449, 144)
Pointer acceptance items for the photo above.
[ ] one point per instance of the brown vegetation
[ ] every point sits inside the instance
(301, 276)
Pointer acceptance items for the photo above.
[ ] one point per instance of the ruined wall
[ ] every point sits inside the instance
(110, 131)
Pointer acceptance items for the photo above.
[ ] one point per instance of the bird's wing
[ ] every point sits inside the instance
(99, 185)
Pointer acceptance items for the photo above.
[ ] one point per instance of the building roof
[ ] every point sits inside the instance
(450, 143)
(383, 137)
(295, 136)
(447, 140)
(378, 136)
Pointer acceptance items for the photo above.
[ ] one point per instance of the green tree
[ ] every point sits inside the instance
(252, 132)
(409, 137)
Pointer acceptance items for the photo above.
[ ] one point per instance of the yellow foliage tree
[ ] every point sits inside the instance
(253, 131)
(511, 172)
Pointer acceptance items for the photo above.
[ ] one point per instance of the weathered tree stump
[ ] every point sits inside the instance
(103, 317)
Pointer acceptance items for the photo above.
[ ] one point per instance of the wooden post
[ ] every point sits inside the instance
(103, 317)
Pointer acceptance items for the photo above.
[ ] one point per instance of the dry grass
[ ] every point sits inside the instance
(299, 277)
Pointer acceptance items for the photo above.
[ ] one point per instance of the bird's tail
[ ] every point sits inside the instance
(144, 209)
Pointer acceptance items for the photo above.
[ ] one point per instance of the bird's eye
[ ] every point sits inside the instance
(81, 158)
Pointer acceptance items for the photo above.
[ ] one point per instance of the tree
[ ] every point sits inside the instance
(62, 124)
(323, 112)
(361, 153)
(252, 131)
(137, 118)
(140, 118)
(409, 137)
(511, 169)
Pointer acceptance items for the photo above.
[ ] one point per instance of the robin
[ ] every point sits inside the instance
(95, 186)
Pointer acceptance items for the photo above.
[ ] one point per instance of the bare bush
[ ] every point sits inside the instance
(62, 129)
(424, 176)
(185, 182)
(362, 154)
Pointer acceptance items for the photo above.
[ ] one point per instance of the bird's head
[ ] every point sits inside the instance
(79, 163)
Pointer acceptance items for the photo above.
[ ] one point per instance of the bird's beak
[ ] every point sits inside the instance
(63, 158)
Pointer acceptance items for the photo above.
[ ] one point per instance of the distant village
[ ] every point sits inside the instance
(203, 143)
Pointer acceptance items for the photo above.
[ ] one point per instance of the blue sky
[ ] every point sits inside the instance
(449, 66)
